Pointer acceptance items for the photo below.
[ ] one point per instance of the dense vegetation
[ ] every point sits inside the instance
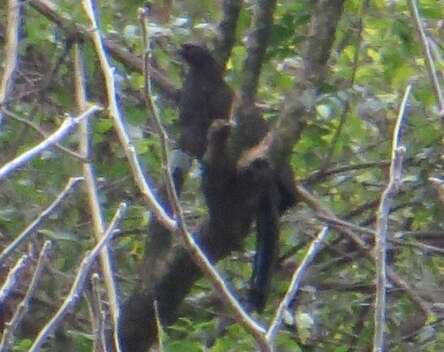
(340, 149)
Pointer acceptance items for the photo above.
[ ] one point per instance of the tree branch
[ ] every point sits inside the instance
(398, 152)
(11, 50)
(72, 29)
(77, 287)
(226, 33)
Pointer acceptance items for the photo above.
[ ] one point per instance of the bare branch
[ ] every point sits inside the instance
(119, 125)
(11, 327)
(65, 128)
(41, 218)
(77, 287)
(98, 315)
(317, 205)
(299, 104)
(159, 328)
(295, 282)
(11, 50)
(427, 55)
(257, 43)
(65, 22)
(42, 133)
(322, 174)
(92, 194)
(226, 34)
(387, 198)
(13, 278)
(154, 110)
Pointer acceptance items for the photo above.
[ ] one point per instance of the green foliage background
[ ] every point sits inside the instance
(368, 72)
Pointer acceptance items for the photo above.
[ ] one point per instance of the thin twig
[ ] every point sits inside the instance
(322, 174)
(317, 205)
(11, 327)
(428, 55)
(92, 194)
(387, 198)
(65, 128)
(117, 118)
(72, 29)
(326, 161)
(42, 133)
(41, 218)
(98, 315)
(152, 108)
(367, 231)
(295, 282)
(77, 287)
(160, 347)
(11, 50)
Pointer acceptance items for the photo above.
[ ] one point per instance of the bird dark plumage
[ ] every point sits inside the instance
(205, 97)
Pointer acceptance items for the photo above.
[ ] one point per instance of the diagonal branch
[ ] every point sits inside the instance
(295, 283)
(65, 128)
(32, 228)
(431, 69)
(77, 287)
(119, 125)
(11, 327)
(72, 29)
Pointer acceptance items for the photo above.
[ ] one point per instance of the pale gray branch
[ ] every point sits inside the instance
(92, 194)
(77, 287)
(11, 327)
(431, 68)
(32, 228)
(387, 198)
(13, 278)
(295, 283)
(65, 128)
(117, 118)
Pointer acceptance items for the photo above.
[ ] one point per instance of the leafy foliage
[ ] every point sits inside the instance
(355, 115)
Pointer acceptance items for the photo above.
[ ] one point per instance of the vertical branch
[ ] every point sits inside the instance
(387, 197)
(92, 194)
(152, 108)
(98, 316)
(257, 43)
(326, 161)
(226, 33)
(11, 50)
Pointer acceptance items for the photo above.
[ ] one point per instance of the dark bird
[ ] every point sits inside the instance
(204, 98)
